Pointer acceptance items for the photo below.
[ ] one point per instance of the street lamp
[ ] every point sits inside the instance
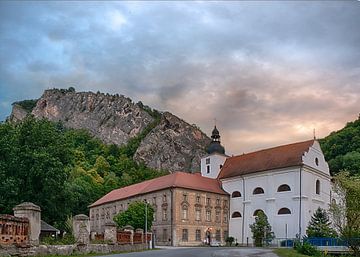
(146, 223)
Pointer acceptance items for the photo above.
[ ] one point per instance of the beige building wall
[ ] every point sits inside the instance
(175, 215)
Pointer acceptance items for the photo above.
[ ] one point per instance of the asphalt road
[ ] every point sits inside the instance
(202, 252)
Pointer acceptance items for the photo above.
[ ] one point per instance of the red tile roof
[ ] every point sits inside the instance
(177, 179)
(267, 159)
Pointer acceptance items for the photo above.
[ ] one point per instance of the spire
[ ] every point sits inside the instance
(215, 145)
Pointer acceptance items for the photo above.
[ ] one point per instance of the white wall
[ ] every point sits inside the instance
(216, 160)
(272, 201)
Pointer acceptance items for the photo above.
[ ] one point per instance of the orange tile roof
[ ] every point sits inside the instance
(177, 179)
(267, 159)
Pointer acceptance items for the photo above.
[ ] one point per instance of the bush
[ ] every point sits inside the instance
(306, 249)
(65, 240)
(229, 240)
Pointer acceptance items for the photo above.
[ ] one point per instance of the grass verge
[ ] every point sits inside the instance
(286, 252)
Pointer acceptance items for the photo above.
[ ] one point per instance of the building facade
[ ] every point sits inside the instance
(189, 209)
(287, 183)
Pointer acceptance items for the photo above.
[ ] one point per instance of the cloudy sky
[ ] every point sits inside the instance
(269, 72)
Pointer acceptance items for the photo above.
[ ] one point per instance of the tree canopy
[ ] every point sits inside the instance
(61, 170)
(135, 216)
(320, 225)
(261, 229)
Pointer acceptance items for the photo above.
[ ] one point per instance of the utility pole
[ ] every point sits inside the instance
(146, 224)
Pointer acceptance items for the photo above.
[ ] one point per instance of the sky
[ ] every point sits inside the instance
(268, 72)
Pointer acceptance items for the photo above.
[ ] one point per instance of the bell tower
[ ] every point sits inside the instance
(211, 164)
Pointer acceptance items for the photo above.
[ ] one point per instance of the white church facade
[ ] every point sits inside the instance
(288, 183)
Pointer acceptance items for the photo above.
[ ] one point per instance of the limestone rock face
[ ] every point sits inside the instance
(173, 145)
(114, 119)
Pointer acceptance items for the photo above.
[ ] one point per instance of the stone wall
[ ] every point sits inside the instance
(69, 249)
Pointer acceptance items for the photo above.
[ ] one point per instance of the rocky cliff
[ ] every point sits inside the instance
(172, 144)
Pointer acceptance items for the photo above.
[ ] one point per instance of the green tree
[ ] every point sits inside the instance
(345, 211)
(320, 225)
(261, 229)
(135, 216)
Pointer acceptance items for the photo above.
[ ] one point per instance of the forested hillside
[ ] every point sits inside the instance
(62, 170)
(342, 149)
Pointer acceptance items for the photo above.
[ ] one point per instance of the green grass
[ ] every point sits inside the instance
(95, 254)
(285, 252)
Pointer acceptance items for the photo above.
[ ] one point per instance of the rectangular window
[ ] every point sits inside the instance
(207, 160)
(208, 201)
(225, 203)
(165, 236)
(198, 235)
(217, 201)
(217, 216)
(208, 215)
(208, 169)
(164, 198)
(164, 214)
(198, 199)
(218, 235)
(185, 214)
(184, 235)
(185, 197)
(225, 217)
(197, 215)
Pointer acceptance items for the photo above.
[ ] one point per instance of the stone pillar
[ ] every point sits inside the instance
(81, 229)
(130, 229)
(110, 232)
(33, 213)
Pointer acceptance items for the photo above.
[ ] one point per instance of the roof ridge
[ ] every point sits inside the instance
(274, 147)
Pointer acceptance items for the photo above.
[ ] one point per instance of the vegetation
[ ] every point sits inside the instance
(261, 229)
(135, 216)
(230, 240)
(345, 210)
(306, 249)
(27, 105)
(62, 170)
(342, 149)
(286, 252)
(320, 225)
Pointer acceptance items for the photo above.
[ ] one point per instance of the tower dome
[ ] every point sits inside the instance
(215, 146)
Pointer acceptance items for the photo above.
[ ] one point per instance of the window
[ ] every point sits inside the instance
(221, 166)
(165, 236)
(198, 235)
(217, 216)
(284, 211)
(198, 199)
(154, 200)
(184, 213)
(258, 191)
(207, 160)
(225, 216)
(208, 201)
(208, 215)
(217, 201)
(208, 169)
(185, 197)
(225, 203)
(197, 215)
(317, 187)
(164, 198)
(236, 194)
(257, 212)
(164, 214)
(283, 188)
(218, 235)
(236, 215)
(317, 161)
(154, 216)
(184, 235)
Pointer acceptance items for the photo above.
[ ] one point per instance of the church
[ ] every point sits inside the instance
(287, 183)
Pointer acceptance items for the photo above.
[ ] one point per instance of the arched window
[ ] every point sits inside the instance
(284, 211)
(236, 215)
(257, 212)
(283, 188)
(258, 191)
(317, 190)
(236, 194)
